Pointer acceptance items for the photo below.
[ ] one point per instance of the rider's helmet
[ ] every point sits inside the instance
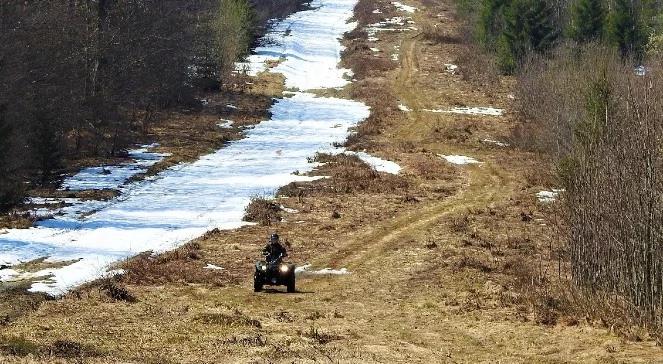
(274, 238)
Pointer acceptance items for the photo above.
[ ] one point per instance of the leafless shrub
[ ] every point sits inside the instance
(361, 59)
(263, 211)
(477, 66)
(375, 93)
(116, 291)
(603, 125)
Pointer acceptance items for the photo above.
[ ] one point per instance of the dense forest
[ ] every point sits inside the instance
(81, 78)
(514, 29)
(589, 78)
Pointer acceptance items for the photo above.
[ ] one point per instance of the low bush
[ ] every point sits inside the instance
(116, 291)
(263, 211)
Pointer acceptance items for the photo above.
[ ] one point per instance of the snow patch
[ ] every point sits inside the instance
(289, 210)
(7, 274)
(113, 177)
(450, 68)
(403, 108)
(403, 7)
(460, 159)
(490, 111)
(306, 269)
(495, 142)
(549, 196)
(378, 164)
(395, 24)
(212, 267)
(225, 124)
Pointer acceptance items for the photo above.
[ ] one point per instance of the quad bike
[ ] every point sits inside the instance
(274, 273)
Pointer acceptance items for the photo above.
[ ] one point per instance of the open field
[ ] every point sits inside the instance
(441, 256)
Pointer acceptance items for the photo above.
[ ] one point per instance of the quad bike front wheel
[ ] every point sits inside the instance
(257, 285)
(291, 284)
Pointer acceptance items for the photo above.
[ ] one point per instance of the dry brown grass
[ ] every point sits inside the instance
(439, 34)
(16, 220)
(431, 167)
(59, 349)
(236, 318)
(182, 265)
(459, 262)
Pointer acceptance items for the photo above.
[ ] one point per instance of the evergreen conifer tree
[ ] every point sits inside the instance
(587, 20)
(528, 26)
(626, 29)
(491, 21)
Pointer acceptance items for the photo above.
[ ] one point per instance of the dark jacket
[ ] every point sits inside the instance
(275, 251)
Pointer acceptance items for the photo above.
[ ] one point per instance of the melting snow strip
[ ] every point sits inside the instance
(306, 46)
(470, 111)
(113, 177)
(495, 142)
(305, 269)
(187, 200)
(460, 159)
(403, 108)
(213, 267)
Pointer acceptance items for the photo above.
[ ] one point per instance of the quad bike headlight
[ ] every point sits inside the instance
(284, 268)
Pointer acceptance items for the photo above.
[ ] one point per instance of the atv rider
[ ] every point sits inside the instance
(274, 251)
